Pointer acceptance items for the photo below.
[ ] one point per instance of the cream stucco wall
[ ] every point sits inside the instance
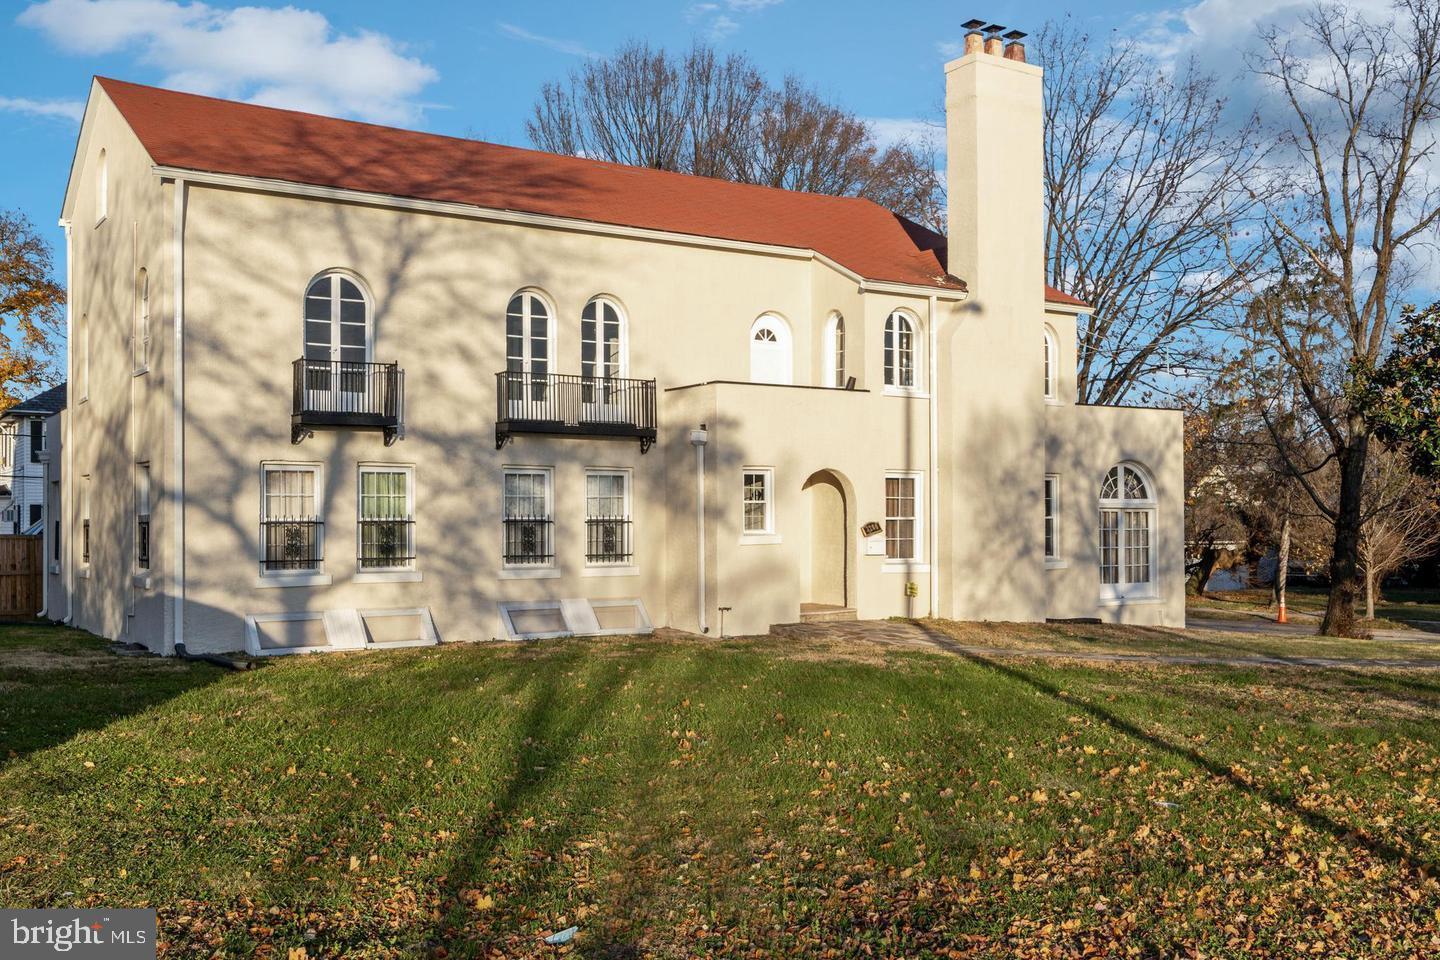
(439, 283)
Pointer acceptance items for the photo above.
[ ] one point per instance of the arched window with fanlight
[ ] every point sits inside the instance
(529, 339)
(603, 360)
(901, 351)
(1052, 366)
(770, 353)
(833, 363)
(337, 341)
(1127, 533)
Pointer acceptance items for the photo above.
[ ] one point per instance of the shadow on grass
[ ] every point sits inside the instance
(57, 682)
(1316, 821)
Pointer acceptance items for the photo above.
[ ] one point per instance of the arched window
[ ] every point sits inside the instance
(1052, 366)
(834, 351)
(770, 351)
(141, 333)
(901, 350)
(337, 342)
(1127, 531)
(102, 188)
(602, 340)
(529, 337)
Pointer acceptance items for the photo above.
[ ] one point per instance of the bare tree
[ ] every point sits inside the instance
(718, 117)
(1401, 524)
(1350, 194)
(1144, 185)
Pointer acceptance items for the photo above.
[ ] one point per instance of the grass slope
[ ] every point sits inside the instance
(745, 798)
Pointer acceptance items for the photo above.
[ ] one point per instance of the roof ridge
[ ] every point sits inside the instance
(563, 157)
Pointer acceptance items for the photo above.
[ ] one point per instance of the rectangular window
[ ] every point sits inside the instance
(386, 536)
(1052, 517)
(142, 516)
(758, 500)
(85, 521)
(1110, 546)
(36, 512)
(292, 535)
(607, 517)
(528, 524)
(37, 439)
(902, 516)
(1137, 546)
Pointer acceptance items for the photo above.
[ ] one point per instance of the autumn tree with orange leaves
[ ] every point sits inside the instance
(30, 310)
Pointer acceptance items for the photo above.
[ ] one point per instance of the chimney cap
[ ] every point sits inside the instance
(994, 28)
(1016, 35)
(973, 24)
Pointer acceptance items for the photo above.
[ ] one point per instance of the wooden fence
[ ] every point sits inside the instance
(22, 565)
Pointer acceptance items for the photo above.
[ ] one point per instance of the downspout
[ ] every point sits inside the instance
(176, 639)
(45, 522)
(698, 438)
(934, 459)
(67, 419)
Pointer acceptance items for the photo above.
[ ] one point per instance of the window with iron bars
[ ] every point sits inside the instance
(528, 526)
(386, 537)
(292, 535)
(607, 518)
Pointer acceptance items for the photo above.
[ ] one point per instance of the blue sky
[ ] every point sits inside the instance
(474, 68)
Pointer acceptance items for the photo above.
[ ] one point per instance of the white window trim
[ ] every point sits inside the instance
(1123, 592)
(365, 294)
(102, 187)
(552, 333)
(141, 335)
(614, 303)
(917, 357)
(85, 556)
(598, 568)
(531, 571)
(407, 571)
(827, 359)
(1052, 360)
(1054, 560)
(918, 563)
(767, 535)
(292, 578)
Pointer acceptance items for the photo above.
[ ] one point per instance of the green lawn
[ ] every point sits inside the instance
(1397, 607)
(744, 798)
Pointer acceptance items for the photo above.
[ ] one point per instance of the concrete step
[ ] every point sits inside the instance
(825, 612)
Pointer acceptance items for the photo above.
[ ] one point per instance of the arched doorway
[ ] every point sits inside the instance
(831, 562)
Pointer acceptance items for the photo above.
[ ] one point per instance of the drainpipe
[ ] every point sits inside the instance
(67, 420)
(176, 638)
(698, 439)
(45, 525)
(934, 458)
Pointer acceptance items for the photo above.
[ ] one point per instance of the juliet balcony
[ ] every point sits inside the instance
(567, 405)
(344, 394)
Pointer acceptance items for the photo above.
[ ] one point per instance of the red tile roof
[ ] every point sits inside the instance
(221, 136)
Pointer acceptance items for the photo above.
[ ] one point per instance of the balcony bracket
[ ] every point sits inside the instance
(391, 435)
(300, 432)
(502, 437)
(645, 444)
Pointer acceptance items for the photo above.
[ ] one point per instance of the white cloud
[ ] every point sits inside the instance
(892, 130)
(283, 57)
(71, 110)
(722, 18)
(573, 47)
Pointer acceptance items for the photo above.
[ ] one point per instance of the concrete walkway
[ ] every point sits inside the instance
(901, 633)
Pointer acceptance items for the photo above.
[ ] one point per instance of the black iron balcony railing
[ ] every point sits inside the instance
(529, 541)
(343, 393)
(607, 540)
(567, 405)
(386, 544)
(294, 545)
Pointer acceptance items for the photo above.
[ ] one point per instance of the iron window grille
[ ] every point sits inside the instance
(142, 541)
(292, 544)
(529, 541)
(607, 540)
(387, 543)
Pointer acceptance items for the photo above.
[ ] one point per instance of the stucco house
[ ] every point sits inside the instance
(337, 385)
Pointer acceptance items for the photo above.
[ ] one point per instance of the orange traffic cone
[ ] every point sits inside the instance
(1281, 617)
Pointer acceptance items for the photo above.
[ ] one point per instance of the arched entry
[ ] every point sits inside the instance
(832, 563)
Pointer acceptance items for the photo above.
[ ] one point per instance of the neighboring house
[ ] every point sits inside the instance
(339, 384)
(31, 435)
